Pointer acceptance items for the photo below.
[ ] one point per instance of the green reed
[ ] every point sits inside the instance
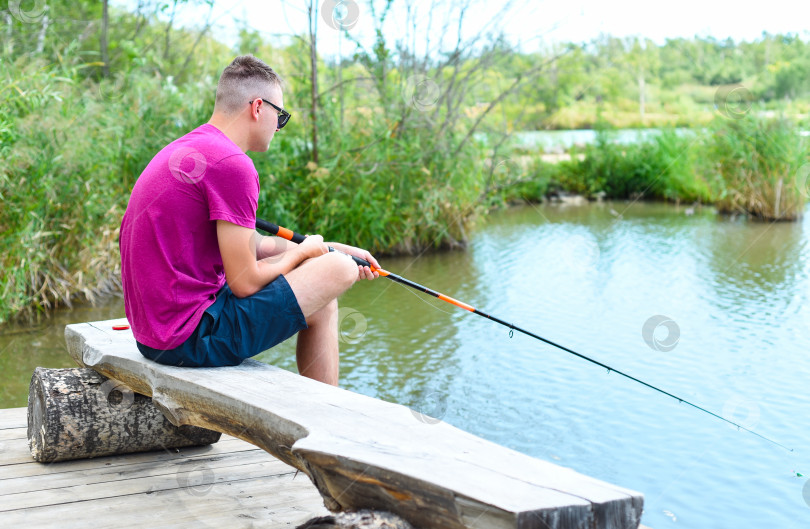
(757, 167)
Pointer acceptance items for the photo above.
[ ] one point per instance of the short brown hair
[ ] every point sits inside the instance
(245, 79)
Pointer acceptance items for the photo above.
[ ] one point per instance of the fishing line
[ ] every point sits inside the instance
(296, 237)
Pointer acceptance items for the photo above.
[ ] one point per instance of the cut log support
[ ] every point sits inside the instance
(358, 520)
(360, 452)
(78, 413)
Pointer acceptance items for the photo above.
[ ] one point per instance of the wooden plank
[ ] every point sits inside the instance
(13, 418)
(112, 475)
(362, 452)
(280, 502)
(14, 452)
(26, 466)
(272, 498)
(182, 479)
(14, 433)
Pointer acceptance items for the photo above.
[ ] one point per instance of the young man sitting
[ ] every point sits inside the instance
(201, 286)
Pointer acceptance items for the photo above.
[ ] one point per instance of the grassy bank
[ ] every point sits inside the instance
(75, 140)
(755, 166)
(381, 151)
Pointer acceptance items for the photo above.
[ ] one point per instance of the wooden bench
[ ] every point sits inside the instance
(361, 452)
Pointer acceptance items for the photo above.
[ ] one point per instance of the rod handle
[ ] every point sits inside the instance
(359, 261)
(284, 233)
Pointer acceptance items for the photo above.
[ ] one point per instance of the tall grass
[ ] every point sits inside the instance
(73, 146)
(387, 192)
(756, 167)
(71, 150)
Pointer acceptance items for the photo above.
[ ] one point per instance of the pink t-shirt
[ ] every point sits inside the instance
(171, 268)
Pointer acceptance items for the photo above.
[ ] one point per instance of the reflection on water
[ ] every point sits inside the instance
(713, 310)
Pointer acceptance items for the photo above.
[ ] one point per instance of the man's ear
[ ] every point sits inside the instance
(254, 109)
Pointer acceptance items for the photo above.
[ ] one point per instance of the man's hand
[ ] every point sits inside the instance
(313, 246)
(244, 273)
(363, 272)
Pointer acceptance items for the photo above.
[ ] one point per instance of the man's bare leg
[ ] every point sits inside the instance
(316, 284)
(317, 353)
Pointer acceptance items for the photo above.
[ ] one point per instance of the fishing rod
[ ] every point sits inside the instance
(290, 235)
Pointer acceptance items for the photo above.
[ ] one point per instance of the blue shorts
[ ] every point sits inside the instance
(233, 328)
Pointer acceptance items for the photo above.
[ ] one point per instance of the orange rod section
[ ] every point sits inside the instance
(456, 302)
(285, 233)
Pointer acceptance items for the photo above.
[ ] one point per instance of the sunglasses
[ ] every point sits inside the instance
(283, 115)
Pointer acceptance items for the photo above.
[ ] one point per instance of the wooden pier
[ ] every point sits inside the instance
(292, 448)
(228, 484)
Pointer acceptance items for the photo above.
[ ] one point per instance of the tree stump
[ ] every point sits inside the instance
(78, 413)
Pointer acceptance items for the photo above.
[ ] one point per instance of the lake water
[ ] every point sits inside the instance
(713, 310)
(562, 140)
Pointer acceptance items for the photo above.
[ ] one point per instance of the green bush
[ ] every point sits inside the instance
(387, 192)
(532, 184)
(660, 168)
(74, 143)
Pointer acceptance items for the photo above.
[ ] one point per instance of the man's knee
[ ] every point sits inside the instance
(321, 280)
(342, 268)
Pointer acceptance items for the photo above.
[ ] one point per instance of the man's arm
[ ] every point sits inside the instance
(244, 273)
(271, 246)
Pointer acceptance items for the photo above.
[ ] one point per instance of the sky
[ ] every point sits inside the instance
(527, 24)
